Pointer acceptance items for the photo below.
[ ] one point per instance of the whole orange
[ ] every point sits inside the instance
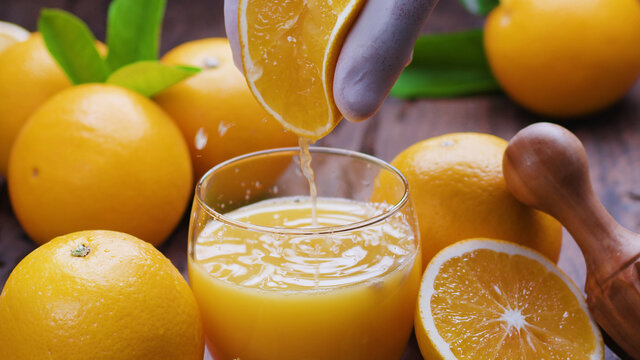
(564, 58)
(10, 34)
(28, 77)
(215, 110)
(459, 192)
(99, 156)
(98, 295)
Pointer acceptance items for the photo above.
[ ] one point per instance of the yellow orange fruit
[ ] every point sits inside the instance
(10, 34)
(28, 77)
(215, 110)
(289, 52)
(98, 295)
(99, 156)
(490, 299)
(564, 58)
(459, 192)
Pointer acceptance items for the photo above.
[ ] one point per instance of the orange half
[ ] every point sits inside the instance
(289, 53)
(490, 299)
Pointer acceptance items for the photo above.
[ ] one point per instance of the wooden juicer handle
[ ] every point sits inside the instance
(545, 166)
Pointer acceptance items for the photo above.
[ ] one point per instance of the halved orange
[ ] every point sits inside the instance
(289, 53)
(491, 299)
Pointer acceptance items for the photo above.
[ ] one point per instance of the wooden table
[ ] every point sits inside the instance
(612, 138)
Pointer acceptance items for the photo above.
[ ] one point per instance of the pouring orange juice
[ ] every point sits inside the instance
(270, 285)
(285, 268)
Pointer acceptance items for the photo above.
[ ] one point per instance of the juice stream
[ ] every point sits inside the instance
(305, 166)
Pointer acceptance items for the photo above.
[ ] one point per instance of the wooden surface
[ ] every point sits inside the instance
(611, 139)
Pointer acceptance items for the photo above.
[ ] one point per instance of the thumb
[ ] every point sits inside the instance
(375, 52)
(231, 28)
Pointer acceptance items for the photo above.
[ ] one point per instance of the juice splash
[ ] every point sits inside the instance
(307, 171)
(354, 290)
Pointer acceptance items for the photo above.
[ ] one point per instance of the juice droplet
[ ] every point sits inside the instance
(201, 139)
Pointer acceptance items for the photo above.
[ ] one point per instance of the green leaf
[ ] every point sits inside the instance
(133, 31)
(150, 77)
(72, 45)
(446, 65)
(480, 7)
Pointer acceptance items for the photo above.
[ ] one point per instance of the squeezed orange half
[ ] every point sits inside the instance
(289, 54)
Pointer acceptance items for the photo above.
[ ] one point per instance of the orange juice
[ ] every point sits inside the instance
(332, 295)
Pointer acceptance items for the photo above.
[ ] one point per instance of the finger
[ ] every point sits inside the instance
(231, 27)
(375, 52)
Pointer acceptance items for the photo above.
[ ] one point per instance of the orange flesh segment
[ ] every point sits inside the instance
(289, 52)
(469, 311)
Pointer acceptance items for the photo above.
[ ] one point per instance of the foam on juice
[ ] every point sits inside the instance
(270, 261)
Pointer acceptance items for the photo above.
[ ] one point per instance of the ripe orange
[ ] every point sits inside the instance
(490, 299)
(98, 156)
(214, 109)
(564, 57)
(98, 295)
(459, 192)
(28, 77)
(289, 54)
(11, 34)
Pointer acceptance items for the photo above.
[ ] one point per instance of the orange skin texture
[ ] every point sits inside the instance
(123, 300)
(459, 192)
(99, 156)
(564, 58)
(28, 77)
(218, 105)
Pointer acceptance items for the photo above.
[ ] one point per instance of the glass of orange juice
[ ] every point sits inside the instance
(273, 283)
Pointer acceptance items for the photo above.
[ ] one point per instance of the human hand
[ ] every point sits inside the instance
(376, 50)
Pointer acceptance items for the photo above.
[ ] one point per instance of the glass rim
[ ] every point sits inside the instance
(388, 212)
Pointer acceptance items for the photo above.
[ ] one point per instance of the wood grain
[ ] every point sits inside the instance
(546, 167)
(611, 138)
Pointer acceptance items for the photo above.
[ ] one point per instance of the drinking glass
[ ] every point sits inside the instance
(275, 288)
